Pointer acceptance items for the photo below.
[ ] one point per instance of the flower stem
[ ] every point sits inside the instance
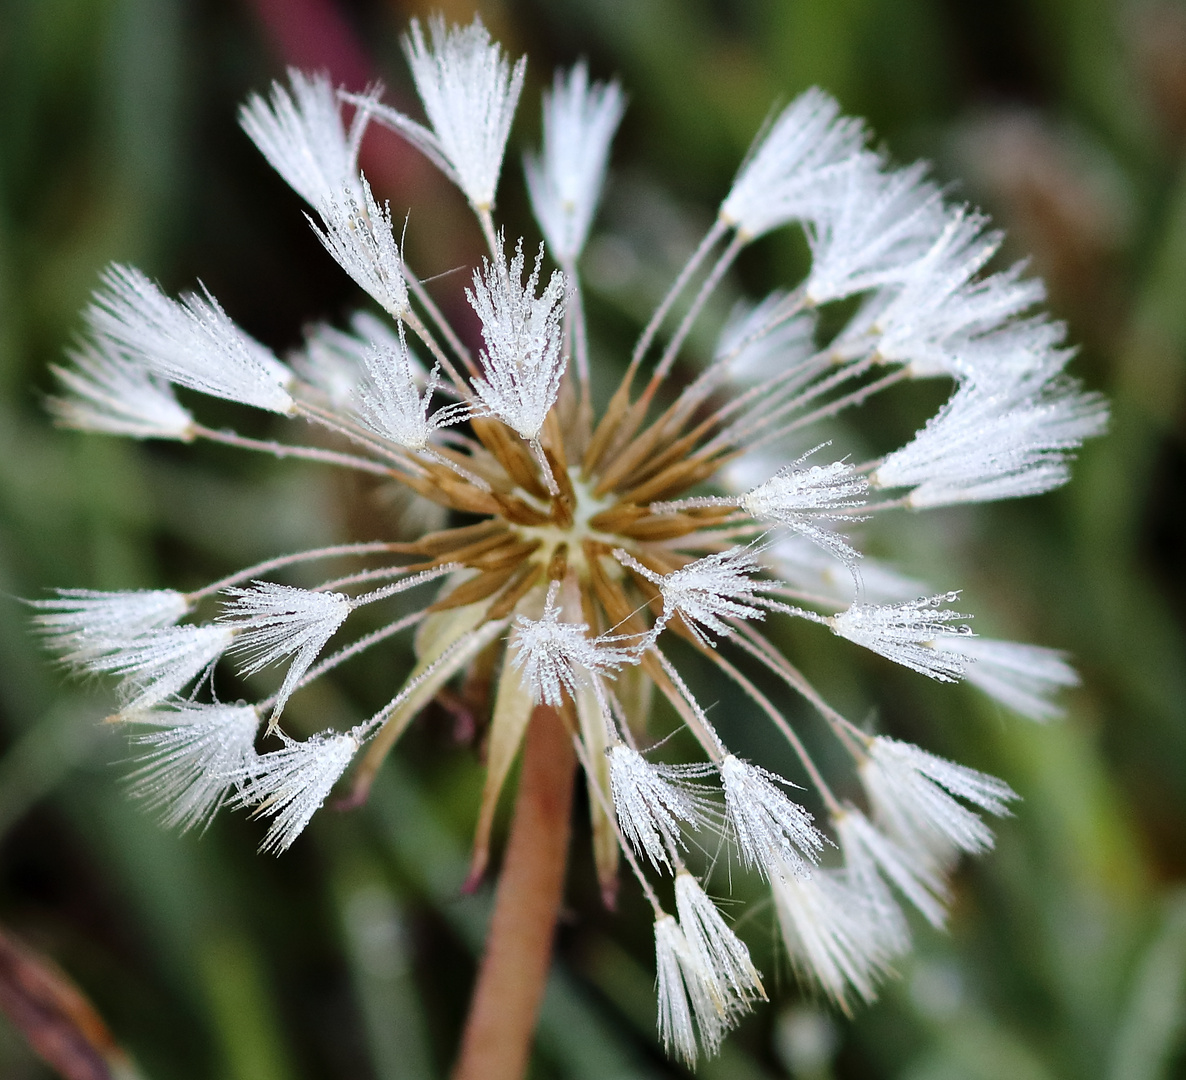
(496, 1044)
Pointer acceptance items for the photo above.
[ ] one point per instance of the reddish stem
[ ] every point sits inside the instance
(496, 1044)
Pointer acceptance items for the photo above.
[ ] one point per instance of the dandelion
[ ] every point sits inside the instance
(586, 559)
(291, 783)
(191, 342)
(158, 663)
(333, 361)
(558, 658)
(300, 132)
(799, 497)
(358, 234)
(772, 832)
(108, 392)
(834, 933)
(274, 621)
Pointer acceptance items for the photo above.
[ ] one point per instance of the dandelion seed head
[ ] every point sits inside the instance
(556, 657)
(718, 950)
(784, 177)
(913, 795)
(191, 342)
(300, 131)
(107, 392)
(1023, 677)
(82, 624)
(708, 591)
(358, 233)
(835, 934)
(591, 556)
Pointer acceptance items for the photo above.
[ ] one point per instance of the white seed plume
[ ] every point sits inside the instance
(717, 949)
(685, 988)
(1022, 677)
(995, 442)
(868, 851)
(274, 621)
(1007, 354)
(653, 801)
(82, 624)
(864, 883)
(565, 181)
(157, 663)
(111, 394)
(190, 342)
(469, 91)
(773, 833)
(804, 566)
(906, 632)
(799, 497)
(333, 360)
(389, 402)
(911, 795)
(291, 783)
(939, 303)
(834, 935)
(759, 342)
(556, 657)
(706, 592)
(196, 755)
(359, 235)
(522, 362)
(783, 177)
(877, 227)
(302, 135)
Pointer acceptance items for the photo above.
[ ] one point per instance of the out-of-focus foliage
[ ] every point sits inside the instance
(351, 956)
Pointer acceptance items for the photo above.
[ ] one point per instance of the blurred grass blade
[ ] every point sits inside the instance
(1154, 1018)
(241, 1009)
(40, 759)
(377, 944)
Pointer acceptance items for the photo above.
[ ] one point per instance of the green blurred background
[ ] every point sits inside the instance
(352, 955)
